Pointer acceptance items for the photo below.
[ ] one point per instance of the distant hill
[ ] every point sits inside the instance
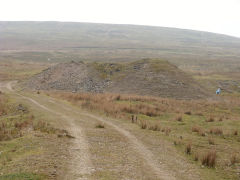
(63, 41)
(144, 77)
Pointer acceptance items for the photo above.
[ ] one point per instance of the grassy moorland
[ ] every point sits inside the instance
(19, 70)
(30, 148)
(205, 131)
(62, 41)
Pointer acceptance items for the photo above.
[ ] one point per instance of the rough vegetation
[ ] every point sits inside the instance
(204, 142)
(28, 145)
(144, 77)
(203, 131)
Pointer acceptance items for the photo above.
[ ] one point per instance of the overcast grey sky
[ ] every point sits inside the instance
(220, 16)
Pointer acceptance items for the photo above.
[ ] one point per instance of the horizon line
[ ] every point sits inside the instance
(123, 24)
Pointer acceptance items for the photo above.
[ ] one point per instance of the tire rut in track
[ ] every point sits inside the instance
(138, 146)
(81, 165)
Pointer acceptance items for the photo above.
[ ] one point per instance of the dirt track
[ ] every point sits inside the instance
(81, 164)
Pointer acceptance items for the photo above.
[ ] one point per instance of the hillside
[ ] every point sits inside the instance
(144, 77)
(62, 41)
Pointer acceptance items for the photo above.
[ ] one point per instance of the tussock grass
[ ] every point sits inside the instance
(216, 131)
(3, 106)
(143, 124)
(198, 130)
(179, 118)
(154, 127)
(235, 132)
(188, 148)
(210, 119)
(167, 130)
(196, 156)
(209, 158)
(233, 159)
(115, 104)
(188, 113)
(211, 141)
(22, 122)
(201, 122)
(220, 119)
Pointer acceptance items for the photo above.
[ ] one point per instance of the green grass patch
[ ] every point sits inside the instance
(22, 176)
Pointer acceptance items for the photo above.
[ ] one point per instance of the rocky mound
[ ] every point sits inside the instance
(144, 77)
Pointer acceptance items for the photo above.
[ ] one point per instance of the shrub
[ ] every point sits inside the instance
(209, 159)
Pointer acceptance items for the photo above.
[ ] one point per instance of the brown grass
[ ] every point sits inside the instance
(179, 118)
(15, 128)
(165, 113)
(154, 127)
(143, 124)
(211, 141)
(3, 106)
(107, 103)
(209, 158)
(167, 130)
(235, 132)
(220, 119)
(188, 113)
(210, 119)
(188, 148)
(233, 159)
(199, 114)
(120, 105)
(216, 131)
(198, 130)
(196, 156)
